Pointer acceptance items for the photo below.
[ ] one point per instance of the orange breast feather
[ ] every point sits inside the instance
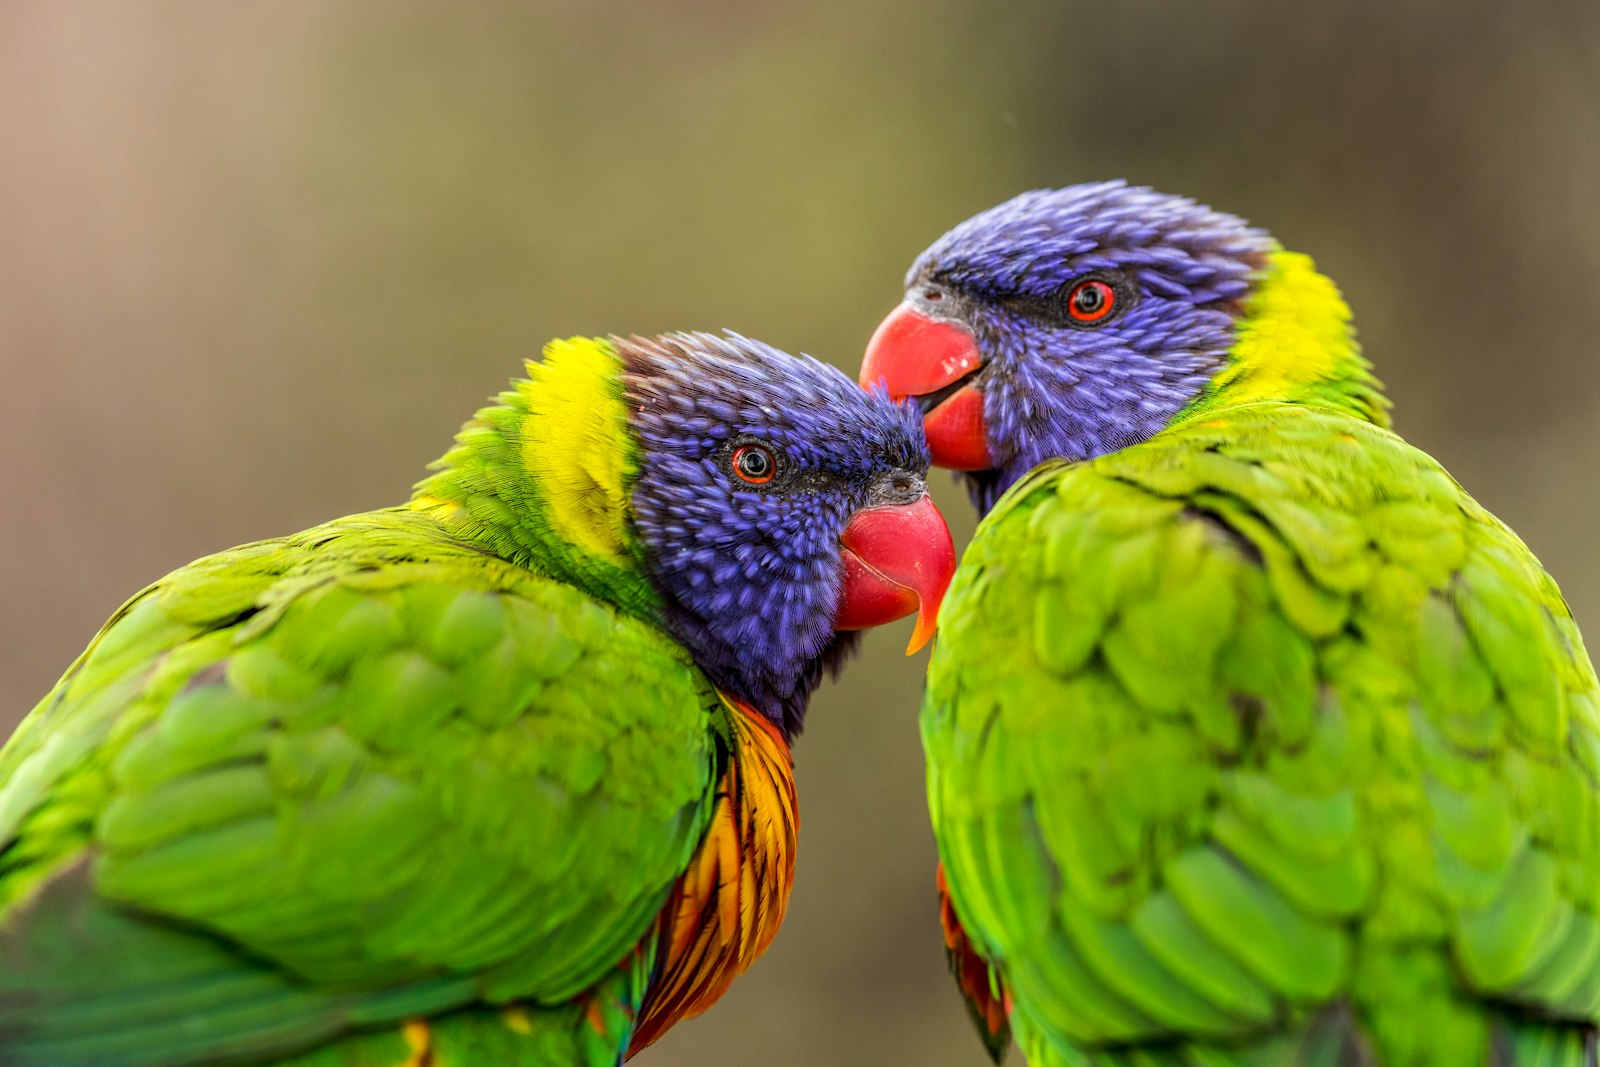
(987, 1002)
(728, 905)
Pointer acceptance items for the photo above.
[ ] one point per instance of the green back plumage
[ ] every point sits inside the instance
(1262, 743)
(425, 760)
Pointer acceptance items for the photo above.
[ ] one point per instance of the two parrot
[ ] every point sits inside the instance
(1252, 739)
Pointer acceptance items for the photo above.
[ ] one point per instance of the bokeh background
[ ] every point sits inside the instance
(259, 259)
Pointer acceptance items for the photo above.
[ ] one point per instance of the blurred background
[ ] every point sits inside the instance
(259, 260)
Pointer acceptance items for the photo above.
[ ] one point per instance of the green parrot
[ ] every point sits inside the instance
(1252, 739)
(498, 777)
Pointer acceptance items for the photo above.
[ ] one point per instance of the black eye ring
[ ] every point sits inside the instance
(753, 464)
(1093, 300)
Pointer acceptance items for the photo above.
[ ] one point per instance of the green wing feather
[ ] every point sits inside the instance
(1262, 742)
(336, 781)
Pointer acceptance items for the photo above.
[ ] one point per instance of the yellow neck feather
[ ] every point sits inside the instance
(574, 442)
(1296, 344)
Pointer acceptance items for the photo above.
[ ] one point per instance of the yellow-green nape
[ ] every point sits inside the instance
(575, 442)
(1295, 342)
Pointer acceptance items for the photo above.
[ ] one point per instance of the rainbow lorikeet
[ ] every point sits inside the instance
(501, 776)
(1252, 739)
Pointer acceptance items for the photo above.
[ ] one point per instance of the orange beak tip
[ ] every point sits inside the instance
(926, 627)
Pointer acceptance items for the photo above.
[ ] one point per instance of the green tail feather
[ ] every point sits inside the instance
(565, 1036)
(1518, 1041)
(170, 997)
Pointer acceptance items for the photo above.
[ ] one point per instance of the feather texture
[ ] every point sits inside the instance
(1278, 717)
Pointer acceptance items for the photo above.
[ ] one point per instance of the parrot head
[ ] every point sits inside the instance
(758, 506)
(779, 508)
(1074, 322)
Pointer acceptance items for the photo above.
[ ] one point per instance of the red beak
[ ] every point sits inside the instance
(897, 559)
(912, 356)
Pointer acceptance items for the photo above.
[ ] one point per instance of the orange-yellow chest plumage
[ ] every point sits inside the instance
(727, 907)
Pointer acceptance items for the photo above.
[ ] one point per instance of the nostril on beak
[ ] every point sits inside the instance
(905, 487)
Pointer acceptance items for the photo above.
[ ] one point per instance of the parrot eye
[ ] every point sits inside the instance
(754, 464)
(1092, 301)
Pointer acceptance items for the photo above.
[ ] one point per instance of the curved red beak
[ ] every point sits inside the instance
(915, 356)
(897, 559)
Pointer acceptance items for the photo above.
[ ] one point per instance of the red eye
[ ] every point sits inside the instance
(754, 464)
(1091, 301)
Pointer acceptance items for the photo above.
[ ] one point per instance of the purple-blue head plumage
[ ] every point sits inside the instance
(1098, 312)
(779, 508)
